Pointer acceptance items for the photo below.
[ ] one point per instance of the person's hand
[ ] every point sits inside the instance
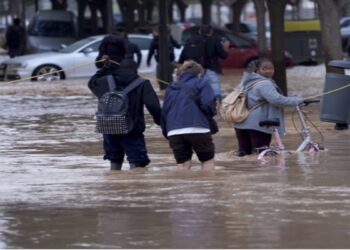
(105, 58)
(308, 101)
(106, 62)
(226, 45)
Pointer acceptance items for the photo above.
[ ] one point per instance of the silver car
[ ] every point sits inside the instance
(76, 60)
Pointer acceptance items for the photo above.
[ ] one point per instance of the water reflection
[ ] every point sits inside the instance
(56, 192)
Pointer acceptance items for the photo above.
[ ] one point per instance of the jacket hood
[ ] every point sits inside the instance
(184, 77)
(124, 76)
(250, 77)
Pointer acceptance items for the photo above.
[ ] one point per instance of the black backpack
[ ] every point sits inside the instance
(102, 85)
(112, 116)
(194, 49)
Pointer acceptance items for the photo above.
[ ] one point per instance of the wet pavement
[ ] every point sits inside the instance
(57, 192)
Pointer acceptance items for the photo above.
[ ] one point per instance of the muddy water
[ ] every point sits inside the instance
(57, 192)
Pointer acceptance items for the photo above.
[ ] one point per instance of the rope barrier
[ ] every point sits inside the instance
(53, 72)
(159, 80)
(327, 93)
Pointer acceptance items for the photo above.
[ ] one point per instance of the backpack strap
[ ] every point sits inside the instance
(111, 83)
(135, 83)
(251, 86)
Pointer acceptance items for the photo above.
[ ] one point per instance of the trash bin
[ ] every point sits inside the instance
(335, 107)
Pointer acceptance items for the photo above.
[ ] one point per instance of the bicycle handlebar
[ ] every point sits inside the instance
(307, 102)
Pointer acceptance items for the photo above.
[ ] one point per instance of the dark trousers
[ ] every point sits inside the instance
(133, 145)
(249, 140)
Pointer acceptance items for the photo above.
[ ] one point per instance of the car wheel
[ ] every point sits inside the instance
(48, 73)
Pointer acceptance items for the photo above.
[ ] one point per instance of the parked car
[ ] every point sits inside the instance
(345, 32)
(49, 29)
(250, 29)
(344, 21)
(243, 50)
(76, 60)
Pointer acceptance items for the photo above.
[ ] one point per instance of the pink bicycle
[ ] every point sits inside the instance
(306, 145)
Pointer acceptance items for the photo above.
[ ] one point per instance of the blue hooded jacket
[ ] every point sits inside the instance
(180, 111)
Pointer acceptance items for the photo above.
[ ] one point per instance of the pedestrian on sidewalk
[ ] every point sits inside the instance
(154, 50)
(185, 122)
(132, 144)
(16, 39)
(262, 90)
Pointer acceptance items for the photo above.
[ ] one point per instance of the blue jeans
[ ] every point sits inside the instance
(133, 145)
(213, 79)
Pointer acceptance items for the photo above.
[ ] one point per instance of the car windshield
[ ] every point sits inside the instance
(239, 41)
(77, 45)
(52, 29)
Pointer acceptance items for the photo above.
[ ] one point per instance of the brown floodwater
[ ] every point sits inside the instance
(57, 192)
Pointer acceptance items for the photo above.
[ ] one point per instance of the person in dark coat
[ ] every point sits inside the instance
(133, 49)
(184, 123)
(213, 50)
(102, 49)
(154, 51)
(132, 144)
(16, 39)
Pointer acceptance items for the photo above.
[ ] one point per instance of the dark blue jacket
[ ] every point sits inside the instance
(180, 111)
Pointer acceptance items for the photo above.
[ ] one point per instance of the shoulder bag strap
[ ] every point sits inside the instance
(135, 83)
(251, 86)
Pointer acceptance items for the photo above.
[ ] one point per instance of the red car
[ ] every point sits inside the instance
(243, 50)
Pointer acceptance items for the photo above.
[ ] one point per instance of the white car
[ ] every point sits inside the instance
(76, 60)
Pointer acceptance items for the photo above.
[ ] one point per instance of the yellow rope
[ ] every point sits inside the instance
(102, 60)
(53, 72)
(326, 93)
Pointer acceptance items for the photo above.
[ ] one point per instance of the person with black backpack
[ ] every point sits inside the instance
(206, 48)
(16, 39)
(122, 96)
(132, 49)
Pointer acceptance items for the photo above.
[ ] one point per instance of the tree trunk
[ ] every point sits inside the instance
(141, 10)
(237, 8)
(170, 6)
(276, 10)
(206, 11)
(127, 8)
(260, 19)
(81, 18)
(149, 7)
(182, 8)
(94, 24)
(330, 31)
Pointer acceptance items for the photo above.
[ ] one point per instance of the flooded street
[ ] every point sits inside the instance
(57, 192)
